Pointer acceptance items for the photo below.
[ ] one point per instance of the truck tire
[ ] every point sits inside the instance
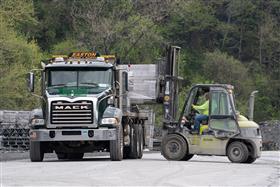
(75, 156)
(126, 152)
(237, 152)
(134, 144)
(36, 151)
(116, 146)
(173, 147)
(187, 157)
(140, 141)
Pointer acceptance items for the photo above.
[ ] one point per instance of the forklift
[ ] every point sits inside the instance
(225, 133)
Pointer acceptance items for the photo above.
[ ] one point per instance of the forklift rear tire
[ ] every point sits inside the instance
(187, 157)
(174, 147)
(116, 146)
(36, 152)
(237, 152)
(250, 160)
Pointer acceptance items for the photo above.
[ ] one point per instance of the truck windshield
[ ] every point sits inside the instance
(93, 81)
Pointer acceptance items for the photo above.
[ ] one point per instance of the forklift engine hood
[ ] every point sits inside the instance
(245, 123)
(249, 129)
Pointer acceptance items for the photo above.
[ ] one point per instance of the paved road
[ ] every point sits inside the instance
(152, 170)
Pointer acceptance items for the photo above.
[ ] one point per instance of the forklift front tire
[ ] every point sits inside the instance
(174, 147)
(187, 157)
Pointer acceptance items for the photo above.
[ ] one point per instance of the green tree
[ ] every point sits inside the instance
(19, 15)
(17, 56)
(116, 27)
(55, 22)
(191, 24)
(224, 69)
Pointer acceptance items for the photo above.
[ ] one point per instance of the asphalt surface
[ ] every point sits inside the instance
(151, 170)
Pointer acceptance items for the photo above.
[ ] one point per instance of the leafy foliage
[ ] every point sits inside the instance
(225, 41)
(17, 56)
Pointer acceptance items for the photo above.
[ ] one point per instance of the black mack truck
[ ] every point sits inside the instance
(89, 102)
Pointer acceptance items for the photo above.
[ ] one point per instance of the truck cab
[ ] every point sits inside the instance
(224, 133)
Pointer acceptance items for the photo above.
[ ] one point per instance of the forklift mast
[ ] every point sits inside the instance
(156, 83)
(171, 84)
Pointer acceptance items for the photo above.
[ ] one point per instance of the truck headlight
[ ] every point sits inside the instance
(106, 121)
(36, 121)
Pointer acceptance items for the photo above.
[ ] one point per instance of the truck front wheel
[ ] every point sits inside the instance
(36, 152)
(116, 146)
(237, 152)
(173, 147)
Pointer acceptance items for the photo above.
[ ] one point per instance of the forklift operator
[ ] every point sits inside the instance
(203, 112)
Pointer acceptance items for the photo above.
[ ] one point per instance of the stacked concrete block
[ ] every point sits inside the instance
(14, 130)
(143, 82)
(270, 134)
(149, 127)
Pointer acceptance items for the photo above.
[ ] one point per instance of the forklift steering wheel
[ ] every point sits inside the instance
(194, 111)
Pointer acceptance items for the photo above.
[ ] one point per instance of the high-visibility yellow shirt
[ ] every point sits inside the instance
(202, 109)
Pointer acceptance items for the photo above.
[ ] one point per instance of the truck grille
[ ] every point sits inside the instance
(64, 112)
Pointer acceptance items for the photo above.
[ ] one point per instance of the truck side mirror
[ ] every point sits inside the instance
(30, 82)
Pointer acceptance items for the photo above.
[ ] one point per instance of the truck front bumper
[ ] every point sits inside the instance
(49, 135)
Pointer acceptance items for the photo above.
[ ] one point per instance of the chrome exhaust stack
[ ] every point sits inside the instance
(251, 105)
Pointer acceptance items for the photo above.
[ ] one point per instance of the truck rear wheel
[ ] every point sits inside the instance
(173, 147)
(116, 146)
(126, 152)
(36, 152)
(134, 145)
(140, 141)
(237, 152)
